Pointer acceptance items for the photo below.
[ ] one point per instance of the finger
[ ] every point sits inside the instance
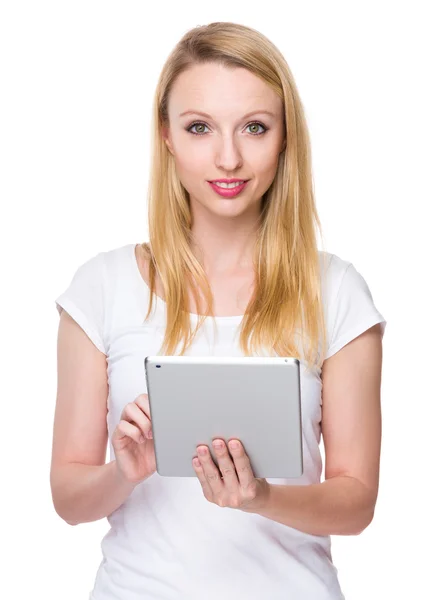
(226, 464)
(143, 402)
(212, 475)
(202, 479)
(125, 429)
(133, 414)
(242, 464)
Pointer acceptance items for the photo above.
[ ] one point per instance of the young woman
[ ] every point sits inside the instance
(242, 258)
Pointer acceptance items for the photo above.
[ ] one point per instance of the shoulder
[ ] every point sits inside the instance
(105, 266)
(332, 270)
(116, 259)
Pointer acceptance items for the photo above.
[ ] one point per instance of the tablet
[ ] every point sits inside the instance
(257, 400)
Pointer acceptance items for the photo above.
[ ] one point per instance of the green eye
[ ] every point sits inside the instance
(253, 124)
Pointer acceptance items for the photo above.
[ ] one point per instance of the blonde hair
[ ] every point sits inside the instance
(287, 292)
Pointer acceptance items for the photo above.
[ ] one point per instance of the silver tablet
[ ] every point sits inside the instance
(194, 400)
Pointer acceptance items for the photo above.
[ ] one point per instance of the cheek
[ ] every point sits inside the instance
(192, 159)
(263, 157)
(266, 168)
(192, 168)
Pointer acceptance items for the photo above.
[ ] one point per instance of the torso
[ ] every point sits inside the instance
(231, 293)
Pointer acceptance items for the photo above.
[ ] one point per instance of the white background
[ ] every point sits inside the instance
(77, 84)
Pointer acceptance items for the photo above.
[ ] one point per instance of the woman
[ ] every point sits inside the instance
(226, 107)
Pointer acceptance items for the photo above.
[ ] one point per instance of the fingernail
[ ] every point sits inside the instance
(150, 434)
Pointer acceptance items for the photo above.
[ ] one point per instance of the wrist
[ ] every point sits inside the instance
(261, 500)
(121, 479)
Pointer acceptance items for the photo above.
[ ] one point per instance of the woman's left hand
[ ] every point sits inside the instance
(234, 485)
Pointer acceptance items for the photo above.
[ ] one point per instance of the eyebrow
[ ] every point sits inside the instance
(203, 114)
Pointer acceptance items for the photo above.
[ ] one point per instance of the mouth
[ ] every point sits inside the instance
(229, 190)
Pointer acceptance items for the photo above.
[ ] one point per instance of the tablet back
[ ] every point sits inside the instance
(194, 400)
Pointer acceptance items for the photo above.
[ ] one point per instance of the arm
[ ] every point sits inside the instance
(84, 488)
(84, 493)
(351, 427)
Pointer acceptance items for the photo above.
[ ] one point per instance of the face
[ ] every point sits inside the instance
(225, 144)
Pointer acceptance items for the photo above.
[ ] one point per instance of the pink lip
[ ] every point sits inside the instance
(228, 180)
(228, 193)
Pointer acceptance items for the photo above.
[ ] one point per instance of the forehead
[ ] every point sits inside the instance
(221, 91)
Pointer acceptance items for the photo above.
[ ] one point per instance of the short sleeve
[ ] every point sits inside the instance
(352, 312)
(84, 299)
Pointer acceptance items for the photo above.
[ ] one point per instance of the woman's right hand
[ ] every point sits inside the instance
(135, 456)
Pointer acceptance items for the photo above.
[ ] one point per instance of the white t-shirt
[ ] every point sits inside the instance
(167, 541)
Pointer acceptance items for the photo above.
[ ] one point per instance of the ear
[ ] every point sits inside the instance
(284, 145)
(166, 136)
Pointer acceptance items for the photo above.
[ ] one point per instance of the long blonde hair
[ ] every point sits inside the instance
(287, 293)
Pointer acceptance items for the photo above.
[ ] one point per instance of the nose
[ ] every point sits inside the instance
(228, 155)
